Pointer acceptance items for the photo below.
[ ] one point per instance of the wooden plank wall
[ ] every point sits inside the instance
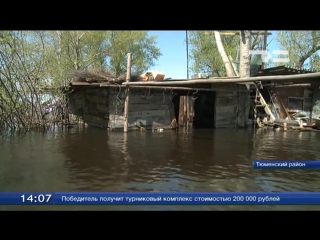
(299, 92)
(147, 109)
(92, 105)
(186, 110)
(77, 102)
(308, 99)
(226, 109)
(243, 106)
(316, 96)
(284, 93)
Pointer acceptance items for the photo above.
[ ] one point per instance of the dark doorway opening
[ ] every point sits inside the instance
(198, 112)
(176, 104)
(204, 110)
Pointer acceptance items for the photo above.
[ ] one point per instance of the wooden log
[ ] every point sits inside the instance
(293, 85)
(299, 77)
(176, 88)
(289, 122)
(127, 92)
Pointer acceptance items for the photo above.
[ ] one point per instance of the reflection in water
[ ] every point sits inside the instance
(195, 160)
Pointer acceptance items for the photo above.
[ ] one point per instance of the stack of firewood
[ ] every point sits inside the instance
(152, 76)
(92, 76)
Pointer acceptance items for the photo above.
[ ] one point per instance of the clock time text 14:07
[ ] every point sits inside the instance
(41, 198)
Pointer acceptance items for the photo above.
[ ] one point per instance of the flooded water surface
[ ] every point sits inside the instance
(195, 160)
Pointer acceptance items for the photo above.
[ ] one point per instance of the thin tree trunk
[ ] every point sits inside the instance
(244, 71)
(224, 56)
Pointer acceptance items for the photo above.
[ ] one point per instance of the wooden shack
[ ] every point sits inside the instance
(201, 103)
(172, 104)
(103, 107)
(288, 97)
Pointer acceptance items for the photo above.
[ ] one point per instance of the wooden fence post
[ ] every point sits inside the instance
(127, 93)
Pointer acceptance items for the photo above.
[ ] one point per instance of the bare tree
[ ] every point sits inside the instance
(227, 64)
(22, 66)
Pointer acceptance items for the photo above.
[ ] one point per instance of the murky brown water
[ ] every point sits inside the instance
(197, 160)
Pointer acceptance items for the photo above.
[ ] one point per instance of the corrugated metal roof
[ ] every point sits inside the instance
(282, 70)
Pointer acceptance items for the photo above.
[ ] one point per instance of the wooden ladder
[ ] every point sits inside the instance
(260, 102)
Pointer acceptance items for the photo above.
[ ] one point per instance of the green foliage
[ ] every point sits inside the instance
(50, 56)
(141, 46)
(204, 55)
(32, 60)
(303, 47)
(100, 50)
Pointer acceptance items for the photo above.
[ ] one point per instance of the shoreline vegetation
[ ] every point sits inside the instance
(37, 66)
(44, 109)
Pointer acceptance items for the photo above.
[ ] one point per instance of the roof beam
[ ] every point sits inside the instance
(235, 33)
(305, 77)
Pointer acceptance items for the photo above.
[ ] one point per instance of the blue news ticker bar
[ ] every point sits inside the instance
(158, 198)
(291, 164)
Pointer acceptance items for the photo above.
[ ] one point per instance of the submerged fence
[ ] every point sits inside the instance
(37, 111)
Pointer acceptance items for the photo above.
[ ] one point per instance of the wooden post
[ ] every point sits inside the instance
(181, 117)
(185, 117)
(285, 127)
(301, 124)
(187, 110)
(311, 107)
(265, 120)
(265, 37)
(127, 92)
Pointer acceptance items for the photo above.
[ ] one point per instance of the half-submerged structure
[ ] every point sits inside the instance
(291, 100)
(150, 101)
(103, 100)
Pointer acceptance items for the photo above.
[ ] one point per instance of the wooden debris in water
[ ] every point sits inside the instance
(94, 76)
(287, 127)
